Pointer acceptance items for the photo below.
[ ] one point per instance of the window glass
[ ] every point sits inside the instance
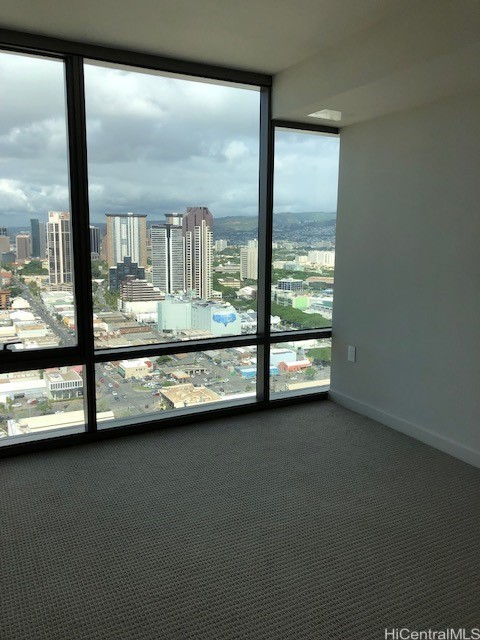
(34, 403)
(173, 178)
(300, 366)
(305, 204)
(161, 384)
(37, 306)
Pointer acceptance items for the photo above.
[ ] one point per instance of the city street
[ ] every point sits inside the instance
(37, 308)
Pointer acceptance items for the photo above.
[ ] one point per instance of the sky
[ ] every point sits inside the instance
(156, 144)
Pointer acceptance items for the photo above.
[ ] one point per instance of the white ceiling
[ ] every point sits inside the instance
(364, 58)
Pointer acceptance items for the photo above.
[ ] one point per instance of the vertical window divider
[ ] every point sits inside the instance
(80, 222)
(265, 226)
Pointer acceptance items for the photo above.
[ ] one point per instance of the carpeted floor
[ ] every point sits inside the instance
(307, 522)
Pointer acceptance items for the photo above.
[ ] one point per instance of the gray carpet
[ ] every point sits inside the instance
(306, 522)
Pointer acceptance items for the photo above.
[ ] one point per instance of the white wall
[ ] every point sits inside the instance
(407, 281)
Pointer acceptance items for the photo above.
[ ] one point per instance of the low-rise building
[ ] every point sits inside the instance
(233, 283)
(34, 329)
(136, 368)
(62, 384)
(297, 365)
(177, 314)
(20, 303)
(290, 284)
(186, 395)
(14, 388)
(247, 293)
(5, 278)
(278, 355)
(72, 420)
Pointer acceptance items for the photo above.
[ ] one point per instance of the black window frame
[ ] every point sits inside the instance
(74, 55)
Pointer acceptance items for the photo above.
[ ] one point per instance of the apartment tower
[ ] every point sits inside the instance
(126, 238)
(249, 261)
(23, 246)
(4, 240)
(197, 228)
(168, 254)
(59, 249)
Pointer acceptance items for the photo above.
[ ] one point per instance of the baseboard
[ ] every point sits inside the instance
(446, 445)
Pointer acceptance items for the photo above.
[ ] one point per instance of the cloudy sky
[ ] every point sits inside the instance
(155, 144)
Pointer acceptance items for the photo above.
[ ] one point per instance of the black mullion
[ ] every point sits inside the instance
(265, 246)
(40, 359)
(167, 348)
(287, 336)
(306, 126)
(77, 138)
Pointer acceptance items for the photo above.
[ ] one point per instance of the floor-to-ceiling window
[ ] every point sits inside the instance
(303, 259)
(152, 263)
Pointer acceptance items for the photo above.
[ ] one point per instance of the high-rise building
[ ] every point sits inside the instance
(4, 244)
(94, 242)
(3, 231)
(8, 257)
(23, 246)
(135, 290)
(126, 238)
(124, 269)
(59, 248)
(197, 229)
(168, 254)
(249, 261)
(43, 240)
(35, 233)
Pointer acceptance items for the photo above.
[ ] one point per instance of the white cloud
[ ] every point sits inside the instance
(235, 150)
(155, 144)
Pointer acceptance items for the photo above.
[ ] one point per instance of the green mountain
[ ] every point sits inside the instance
(304, 216)
(250, 223)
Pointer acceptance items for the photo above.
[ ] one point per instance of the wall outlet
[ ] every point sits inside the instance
(352, 353)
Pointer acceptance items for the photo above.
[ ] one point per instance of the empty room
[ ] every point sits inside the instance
(239, 311)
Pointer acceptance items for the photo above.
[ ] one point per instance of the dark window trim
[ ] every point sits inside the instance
(74, 54)
(45, 45)
(304, 126)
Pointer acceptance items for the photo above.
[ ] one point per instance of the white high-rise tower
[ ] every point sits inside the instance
(59, 249)
(249, 261)
(126, 238)
(168, 254)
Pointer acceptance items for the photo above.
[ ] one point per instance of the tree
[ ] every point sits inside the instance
(15, 292)
(45, 406)
(310, 373)
(297, 318)
(99, 269)
(320, 355)
(34, 288)
(33, 268)
(111, 298)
